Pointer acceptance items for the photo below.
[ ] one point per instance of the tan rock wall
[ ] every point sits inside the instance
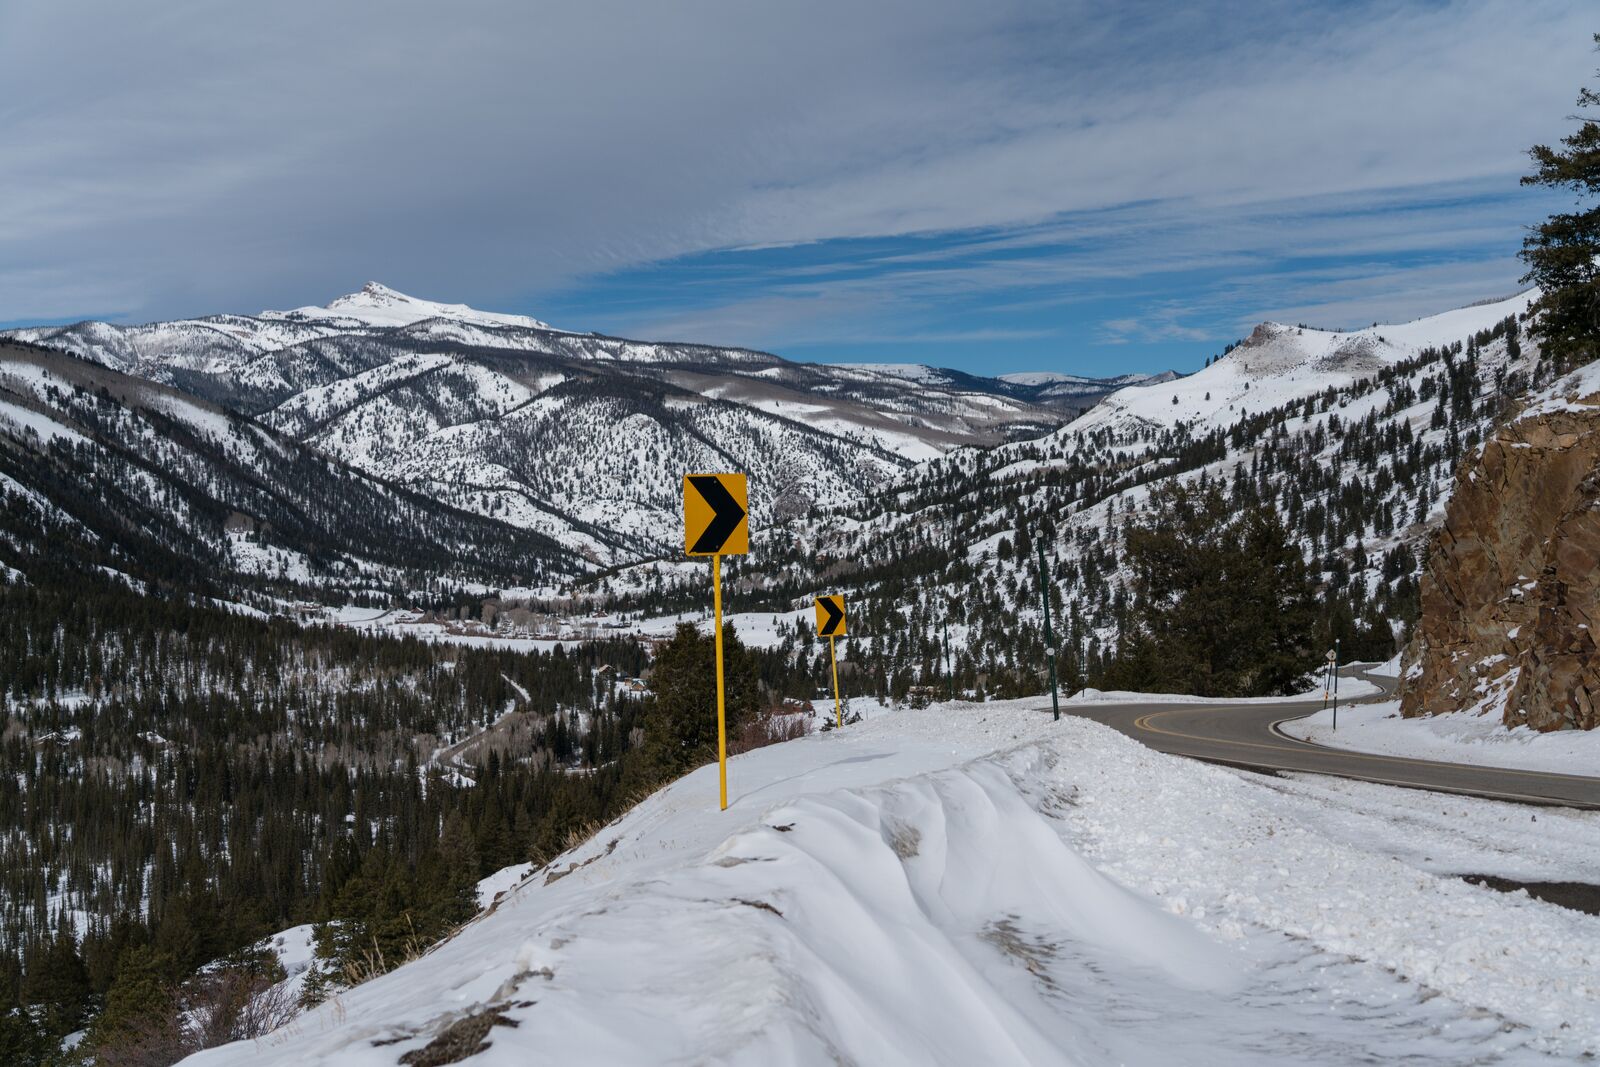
(1511, 589)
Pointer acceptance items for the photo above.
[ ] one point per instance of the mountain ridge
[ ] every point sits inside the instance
(455, 402)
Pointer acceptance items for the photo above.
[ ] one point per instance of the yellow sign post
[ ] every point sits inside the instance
(716, 523)
(830, 624)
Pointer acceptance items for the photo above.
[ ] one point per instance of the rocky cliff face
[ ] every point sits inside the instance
(1511, 591)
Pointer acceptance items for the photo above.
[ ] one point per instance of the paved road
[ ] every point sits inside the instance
(1246, 735)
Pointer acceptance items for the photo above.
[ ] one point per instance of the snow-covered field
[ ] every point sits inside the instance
(1459, 737)
(757, 629)
(979, 884)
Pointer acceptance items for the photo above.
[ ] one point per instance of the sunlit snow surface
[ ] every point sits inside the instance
(1288, 363)
(1456, 737)
(976, 884)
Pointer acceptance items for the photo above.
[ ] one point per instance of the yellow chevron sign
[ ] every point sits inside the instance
(830, 616)
(716, 515)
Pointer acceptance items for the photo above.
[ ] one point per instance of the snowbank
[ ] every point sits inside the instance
(501, 881)
(1349, 688)
(1389, 668)
(979, 884)
(295, 949)
(1459, 737)
(1566, 392)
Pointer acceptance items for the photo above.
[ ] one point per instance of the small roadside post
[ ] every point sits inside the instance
(830, 624)
(716, 523)
(950, 679)
(1049, 642)
(1333, 667)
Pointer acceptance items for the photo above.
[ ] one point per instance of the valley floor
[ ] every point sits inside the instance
(981, 884)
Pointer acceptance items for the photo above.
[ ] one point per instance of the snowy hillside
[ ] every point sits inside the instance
(141, 480)
(975, 884)
(378, 305)
(580, 437)
(1353, 438)
(1279, 364)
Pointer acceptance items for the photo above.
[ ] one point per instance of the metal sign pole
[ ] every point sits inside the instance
(950, 679)
(1334, 667)
(838, 708)
(1049, 642)
(831, 622)
(722, 719)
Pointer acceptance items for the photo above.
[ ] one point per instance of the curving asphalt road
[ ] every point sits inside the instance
(1247, 735)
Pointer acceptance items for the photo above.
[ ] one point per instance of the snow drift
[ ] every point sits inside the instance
(978, 884)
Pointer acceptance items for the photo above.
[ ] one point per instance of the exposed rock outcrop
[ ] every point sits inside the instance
(1511, 590)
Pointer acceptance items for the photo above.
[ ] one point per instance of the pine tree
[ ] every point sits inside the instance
(1563, 253)
(1223, 599)
(681, 722)
(140, 1016)
(1272, 597)
(23, 1041)
(58, 983)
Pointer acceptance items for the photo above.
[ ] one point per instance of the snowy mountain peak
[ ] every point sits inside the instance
(1041, 377)
(1050, 377)
(375, 304)
(1429, 330)
(1279, 363)
(372, 294)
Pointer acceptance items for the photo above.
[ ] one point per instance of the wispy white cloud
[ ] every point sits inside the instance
(1162, 325)
(190, 157)
(1198, 276)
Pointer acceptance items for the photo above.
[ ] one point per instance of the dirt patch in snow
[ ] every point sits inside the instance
(1577, 896)
(463, 1038)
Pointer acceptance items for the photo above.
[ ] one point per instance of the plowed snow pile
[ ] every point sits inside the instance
(976, 884)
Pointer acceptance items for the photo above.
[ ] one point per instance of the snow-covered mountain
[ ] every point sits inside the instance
(1073, 391)
(581, 437)
(103, 470)
(1352, 437)
(375, 304)
(1279, 364)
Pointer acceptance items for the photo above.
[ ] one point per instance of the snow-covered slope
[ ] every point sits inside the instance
(1279, 364)
(105, 469)
(1465, 736)
(580, 436)
(977, 884)
(1353, 438)
(378, 305)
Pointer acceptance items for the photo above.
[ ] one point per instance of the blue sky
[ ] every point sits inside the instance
(1140, 288)
(1008, 186)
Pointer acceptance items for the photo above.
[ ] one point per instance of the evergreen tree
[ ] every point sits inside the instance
(1563, 253)
(23, 1041)
(140, 1017)
(1223, 600)
(681, 722)
(58, 984)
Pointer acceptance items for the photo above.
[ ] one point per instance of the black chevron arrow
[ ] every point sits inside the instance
(835, 612)
(728, 513)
